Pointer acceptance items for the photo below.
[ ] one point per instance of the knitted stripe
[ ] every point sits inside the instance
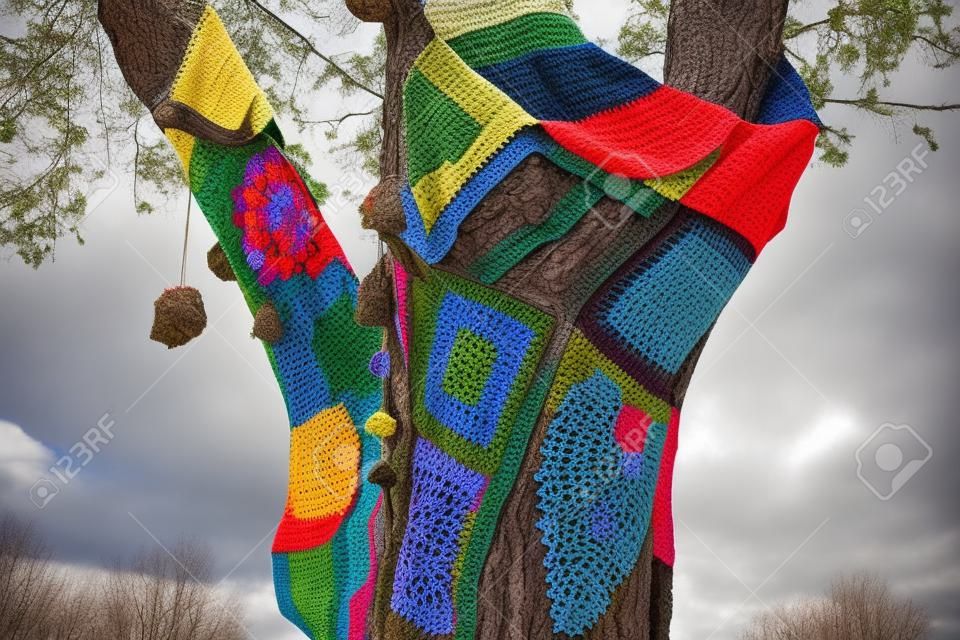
(787, 98)
(312, 590)
(225, 92)
(499, 117)
(453, 18)
(518, 37)
(662, 521)
(569, 83)
(282, 586)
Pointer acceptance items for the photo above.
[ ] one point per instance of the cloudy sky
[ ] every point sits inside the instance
(836, 342)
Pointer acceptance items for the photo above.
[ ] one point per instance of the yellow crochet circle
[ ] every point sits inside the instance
(381, 425)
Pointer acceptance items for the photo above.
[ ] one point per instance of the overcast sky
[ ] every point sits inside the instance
(830, 338)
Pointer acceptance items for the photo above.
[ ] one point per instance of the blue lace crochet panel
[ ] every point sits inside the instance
(444, 493)
(596, 499)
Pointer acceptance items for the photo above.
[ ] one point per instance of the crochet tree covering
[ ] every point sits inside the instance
(559, 339)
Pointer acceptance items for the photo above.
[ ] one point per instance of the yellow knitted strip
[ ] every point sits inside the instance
(214, 81)
(581, 360)
(183, 144)
(498, 115)
(324, 465)
(676, 186)
(452, 18)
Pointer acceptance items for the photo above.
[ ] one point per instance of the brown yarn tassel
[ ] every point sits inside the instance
(179, 317)
(267, 324)
(219, 265)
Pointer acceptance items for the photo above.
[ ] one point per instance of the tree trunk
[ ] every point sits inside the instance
(720, 51)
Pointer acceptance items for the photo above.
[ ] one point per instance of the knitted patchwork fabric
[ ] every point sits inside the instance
(530, 61)
(657, 307)
(474, 357)
(282, 253)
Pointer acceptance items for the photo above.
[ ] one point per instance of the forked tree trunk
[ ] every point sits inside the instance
(720, 50)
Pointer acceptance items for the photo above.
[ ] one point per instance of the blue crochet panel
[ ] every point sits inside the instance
(787, 98)
(651, 314)
(569, 83)
(596, 501)
(444, 493)
(301, 302)
(483, 332)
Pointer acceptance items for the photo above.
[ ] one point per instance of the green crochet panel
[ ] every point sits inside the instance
(425, 105)
(503, 42)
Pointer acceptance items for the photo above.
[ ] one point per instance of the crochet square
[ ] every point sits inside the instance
(474, 353)
(651, 314)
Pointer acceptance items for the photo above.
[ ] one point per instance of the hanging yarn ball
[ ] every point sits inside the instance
(219, 265)
(381, 424)
(267, 324)
(382, 474)
(380, 364)
(179, 317)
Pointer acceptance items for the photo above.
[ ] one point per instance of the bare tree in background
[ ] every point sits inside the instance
(157, 597)
(857, 608)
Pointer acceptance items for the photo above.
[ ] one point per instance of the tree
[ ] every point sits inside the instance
(321, 348)
(856, 608)
(157, 596)
(64, 125)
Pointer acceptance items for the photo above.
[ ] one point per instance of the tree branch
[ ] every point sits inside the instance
(336, 122)
(866, 104)
(343, 73)
(936, 46)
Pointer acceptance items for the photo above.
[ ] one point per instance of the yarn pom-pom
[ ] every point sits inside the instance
(267, 325)
(179, 317)
(380, 364)
(381, 425)
(219, 265)
(382, 474)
